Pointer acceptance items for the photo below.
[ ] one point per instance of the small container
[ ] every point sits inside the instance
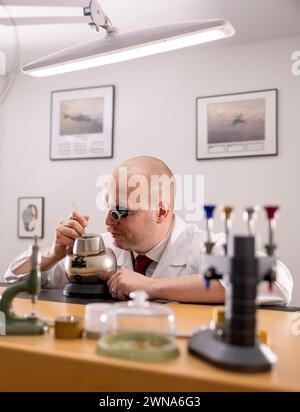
(68, 327)
(92, 318)
(138, 330)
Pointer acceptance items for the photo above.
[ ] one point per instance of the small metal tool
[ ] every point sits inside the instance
(209, 213)
(28, 325)
(227, 213)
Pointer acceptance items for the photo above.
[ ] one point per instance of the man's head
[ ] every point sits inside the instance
(145, 187)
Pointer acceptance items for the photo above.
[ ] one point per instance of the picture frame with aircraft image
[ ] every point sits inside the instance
(237, 125)
(82, 123)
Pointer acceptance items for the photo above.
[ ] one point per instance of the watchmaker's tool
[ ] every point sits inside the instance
(209, 214)
(271, 216)
(250, 216)
(26, 325)
(227, 212)
(232, 343)
(89, 263)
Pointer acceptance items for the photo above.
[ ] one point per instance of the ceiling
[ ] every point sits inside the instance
(253, 20)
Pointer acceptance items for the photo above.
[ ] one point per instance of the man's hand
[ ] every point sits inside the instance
(66, 233)
(125, 281)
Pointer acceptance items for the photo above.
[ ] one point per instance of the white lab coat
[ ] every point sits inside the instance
(181, 256)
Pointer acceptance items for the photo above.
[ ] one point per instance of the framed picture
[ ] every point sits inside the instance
(237, 125)
(30, 217)
(82, 123)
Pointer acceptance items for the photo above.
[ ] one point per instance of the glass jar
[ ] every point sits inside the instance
(138, 330)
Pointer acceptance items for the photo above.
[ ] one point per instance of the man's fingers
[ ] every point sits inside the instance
(67, 232)
(121, 295)
(113, 289)
(113, 279)
(74, 225)
(66, 241)
(82, 219)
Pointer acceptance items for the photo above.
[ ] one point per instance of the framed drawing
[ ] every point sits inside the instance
(82, 123)
(30, 217)
(237, 125)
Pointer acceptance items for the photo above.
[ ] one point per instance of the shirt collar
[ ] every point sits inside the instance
(156, 252)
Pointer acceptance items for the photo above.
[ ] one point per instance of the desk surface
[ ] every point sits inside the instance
(56, 295)
(42, 363)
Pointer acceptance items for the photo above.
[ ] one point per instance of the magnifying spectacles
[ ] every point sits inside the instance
(118, 213)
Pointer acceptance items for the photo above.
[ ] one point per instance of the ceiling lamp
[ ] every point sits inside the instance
(114, 47)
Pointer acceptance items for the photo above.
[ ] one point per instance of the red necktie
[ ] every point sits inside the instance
(141, 263)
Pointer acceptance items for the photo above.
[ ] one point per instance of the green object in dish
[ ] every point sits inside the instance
(141, 346)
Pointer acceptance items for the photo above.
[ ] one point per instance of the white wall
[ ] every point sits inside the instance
(155, 115)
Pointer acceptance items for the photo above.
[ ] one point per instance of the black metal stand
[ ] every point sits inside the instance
(256, 358)
(234, 345)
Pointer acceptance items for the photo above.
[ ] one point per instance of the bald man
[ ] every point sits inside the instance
(156, 250)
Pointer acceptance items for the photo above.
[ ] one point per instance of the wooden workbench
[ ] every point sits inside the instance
(42, 363)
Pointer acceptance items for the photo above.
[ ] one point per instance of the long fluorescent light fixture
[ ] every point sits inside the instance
(116, 47)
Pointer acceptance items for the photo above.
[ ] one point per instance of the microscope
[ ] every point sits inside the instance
(232, 342)
(31, 324)
(86, 267)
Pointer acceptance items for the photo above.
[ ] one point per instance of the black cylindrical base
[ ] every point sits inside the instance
(257, 358)
(82, 290)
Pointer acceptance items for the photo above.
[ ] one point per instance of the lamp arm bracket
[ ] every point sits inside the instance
(92, 14)
(98, 17)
